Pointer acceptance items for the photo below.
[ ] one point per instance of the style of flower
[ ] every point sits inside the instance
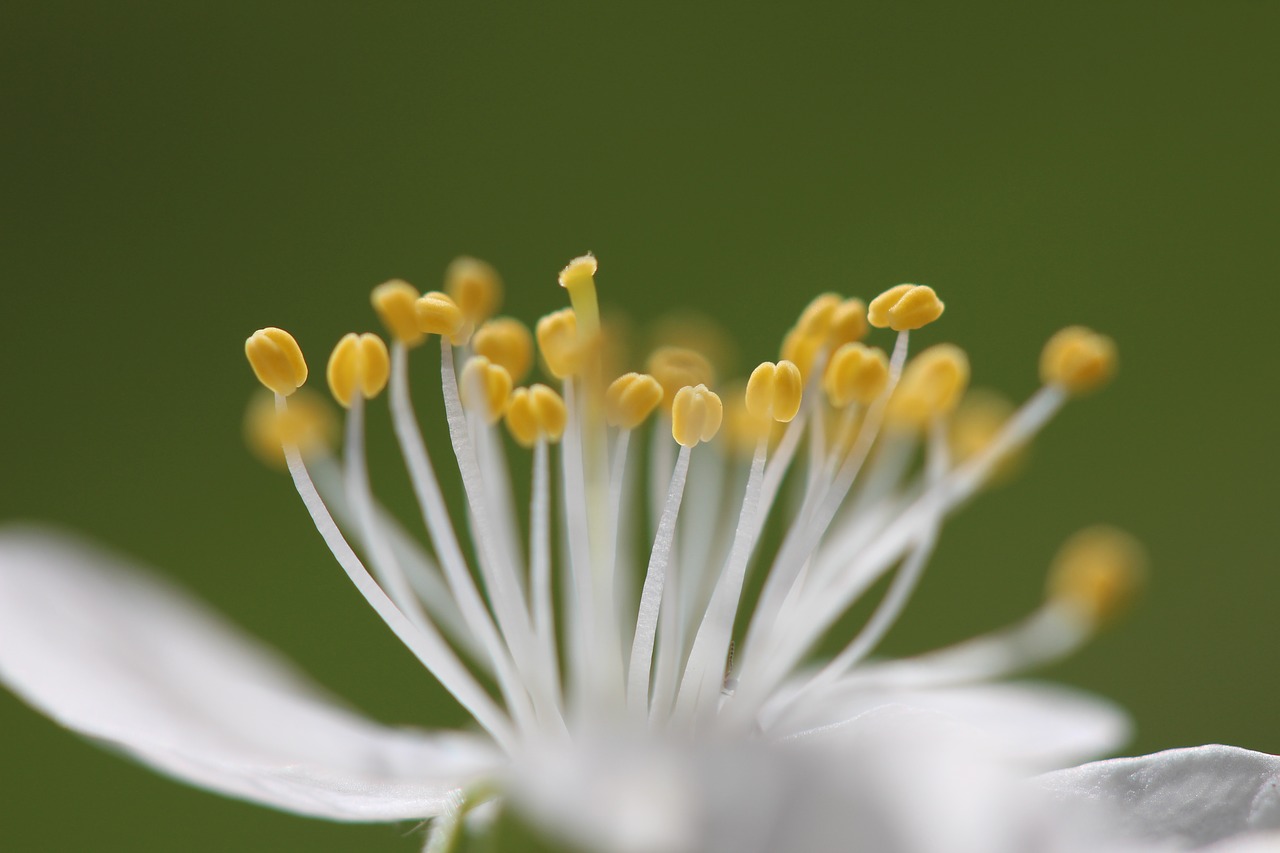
(621, 720)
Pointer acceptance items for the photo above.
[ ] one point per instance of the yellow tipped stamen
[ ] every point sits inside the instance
(980, 417)
(848, 323)
(676, 368)
(359, 364)
(308, 424)
(743, 430)
(276, 360)
(395, 302)
(508, 342)
(931, 386)
(534, 412)
(485, 388)
(773, 391)
(1078, 359)
(475, 287)
(855, 374)
(438, 314)
(695, 415)
(562, 352)
(815, 319)
(630, 399)
(905, 307)
(801, 349)
(1098, 572)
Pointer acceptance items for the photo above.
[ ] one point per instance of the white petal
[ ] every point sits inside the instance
(1188, 796)
(117, 654)
(1040, 725)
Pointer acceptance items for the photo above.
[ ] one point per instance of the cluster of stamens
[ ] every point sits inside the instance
(650, 643)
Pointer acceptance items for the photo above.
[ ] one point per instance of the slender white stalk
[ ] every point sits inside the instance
(440, 527)
(540, 559)
(428, 648)
(703, 675)
(904, 583)
(504, 591)
(651, 593)
(580, 612)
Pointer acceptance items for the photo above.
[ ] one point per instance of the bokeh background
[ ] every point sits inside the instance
(175, 175)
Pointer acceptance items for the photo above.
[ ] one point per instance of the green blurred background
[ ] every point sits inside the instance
(175, 175)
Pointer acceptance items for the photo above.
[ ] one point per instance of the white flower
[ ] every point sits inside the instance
(628, 724)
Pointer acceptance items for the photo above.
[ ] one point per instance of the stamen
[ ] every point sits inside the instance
(1078, 360)
(475, 287)
(507, 342)
(486, 388)
(774, 391)
(676, 368)
(1097, 574)
(358, 368)
(905, 308)
(428, 647)
(558, 343)
(439, 315)
(276, 360)
(308, 424)
(855, 374)
(395, 302)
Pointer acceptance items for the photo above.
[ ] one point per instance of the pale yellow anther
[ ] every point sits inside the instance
(848, 323)
(359, 365)
(677, 367)
(630, 399)
(855, 374)
(395, 302)
(931, 386)
(801, 348)
(905, 307)
(1078, 359)
(485, 388)
(816, 317)
(536, 412)
(774, 390)
(1098, 572)
(307, 424)
(562, 352)
(475, 288)
(695, 415)
(978, 420)
(508, 342)
(438, 314)
(276, 360)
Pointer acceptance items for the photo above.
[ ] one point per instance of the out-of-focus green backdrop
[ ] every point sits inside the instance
(175, 175)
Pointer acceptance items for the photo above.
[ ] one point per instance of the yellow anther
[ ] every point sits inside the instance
(307, 424)
(506, 341)
(276, 360)
(485, 388)
(774, 390)
(438, 314)
(855, 374)
(848, 323)
(677, 367)
(1098, 572)
(562, 352)
(816, 317)
(695, 415)
(536, 411)
(475, 287)
(630, 399)
(1078, 359)
(801, 349)
(905, 307)
(931, 386)
(359, 364)
(396, 304)
(980, 417)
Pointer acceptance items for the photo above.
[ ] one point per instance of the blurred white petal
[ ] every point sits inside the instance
(1039, 725)
(118, 655)
(1187, 797)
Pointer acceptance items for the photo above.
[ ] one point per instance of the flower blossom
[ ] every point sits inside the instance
(664, 698)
